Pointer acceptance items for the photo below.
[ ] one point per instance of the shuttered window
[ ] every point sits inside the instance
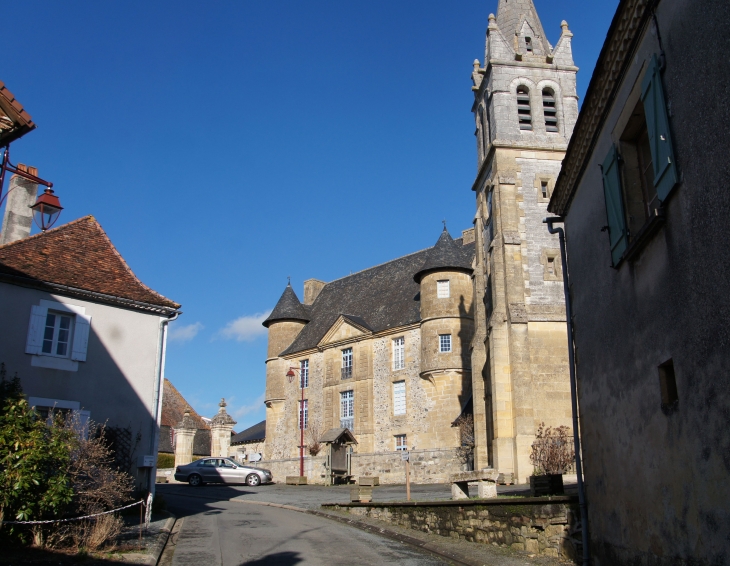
(549, 110)
(58, 330)
(615, 217)
(442, 289)
(399, 398)
(657, 122)
(524, 113)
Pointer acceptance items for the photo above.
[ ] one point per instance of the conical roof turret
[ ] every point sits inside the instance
(446, 255)
(288, 308)
(512, 16)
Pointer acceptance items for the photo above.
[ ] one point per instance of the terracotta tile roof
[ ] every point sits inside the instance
(79, 255)
(14, 120)
(173, 408)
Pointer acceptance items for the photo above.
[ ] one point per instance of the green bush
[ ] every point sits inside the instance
(165, 461)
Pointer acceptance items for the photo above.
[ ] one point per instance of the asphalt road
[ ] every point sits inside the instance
(220, 528)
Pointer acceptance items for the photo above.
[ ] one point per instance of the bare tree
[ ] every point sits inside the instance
(465, 452)
(314, 433)
(552, 451)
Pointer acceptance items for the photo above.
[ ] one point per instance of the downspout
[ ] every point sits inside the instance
(157, 404)
(573, 387)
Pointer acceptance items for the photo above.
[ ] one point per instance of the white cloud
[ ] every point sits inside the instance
(185, 333)
(240, 412)
(245, 328)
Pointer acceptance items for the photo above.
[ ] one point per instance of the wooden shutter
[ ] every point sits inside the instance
(35, 329)
(81, 337)
(617, 231)
(657, 123)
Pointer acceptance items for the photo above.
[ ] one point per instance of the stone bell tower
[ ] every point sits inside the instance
(525, 108)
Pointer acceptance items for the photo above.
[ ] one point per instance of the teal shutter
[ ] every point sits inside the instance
(657, 123)
(617, 232)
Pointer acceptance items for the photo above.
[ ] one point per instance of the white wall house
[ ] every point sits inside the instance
(84, 334)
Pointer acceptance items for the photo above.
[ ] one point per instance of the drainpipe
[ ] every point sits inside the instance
(573, 388)
(155, 436)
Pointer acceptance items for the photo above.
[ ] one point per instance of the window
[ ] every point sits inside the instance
(347, 409)
(347, 363)
(303, 413)
(399, 351)
(399, 398)
(401, 442)
(524, 114)
(444, 343)
(47, 409)
(443, 289)
(528, 44)
(668, 387)
(551, 266)
(58, 335)
(544, 189)
(639, 177)
(549, 110)
(303, 374)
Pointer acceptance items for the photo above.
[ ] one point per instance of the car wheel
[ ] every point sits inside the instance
(253, 480)
(195, 480)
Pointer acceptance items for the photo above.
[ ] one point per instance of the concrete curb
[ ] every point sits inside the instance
(159, 546)
(453, 557)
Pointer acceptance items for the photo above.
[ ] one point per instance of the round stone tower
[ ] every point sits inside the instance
(447, 310)
(284, 323)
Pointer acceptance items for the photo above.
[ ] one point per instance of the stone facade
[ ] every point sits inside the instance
(525, 89)
(535, 525)
(435, 385)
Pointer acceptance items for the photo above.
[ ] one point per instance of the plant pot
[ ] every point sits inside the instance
(548, 484)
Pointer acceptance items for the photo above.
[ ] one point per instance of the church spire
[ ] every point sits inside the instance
(518, 18)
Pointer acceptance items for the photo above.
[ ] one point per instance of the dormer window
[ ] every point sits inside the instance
(524, 114)
(528, 44)
(551, 112)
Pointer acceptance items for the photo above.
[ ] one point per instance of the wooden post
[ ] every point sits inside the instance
(408, 480)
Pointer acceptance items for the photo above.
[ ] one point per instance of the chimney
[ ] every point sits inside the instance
(312, 288)
(468, 236)
(18, 216)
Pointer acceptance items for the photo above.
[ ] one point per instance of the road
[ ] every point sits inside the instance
(219, 527)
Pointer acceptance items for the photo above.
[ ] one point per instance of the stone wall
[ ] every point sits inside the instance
(536, 525)
(427, 466)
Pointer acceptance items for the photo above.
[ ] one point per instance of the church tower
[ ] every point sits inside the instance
(525, 108)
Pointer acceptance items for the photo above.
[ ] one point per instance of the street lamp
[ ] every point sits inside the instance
(47, 207)
(291, 375)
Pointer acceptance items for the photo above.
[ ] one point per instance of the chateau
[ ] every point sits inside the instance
(384, 353)
(398, 352)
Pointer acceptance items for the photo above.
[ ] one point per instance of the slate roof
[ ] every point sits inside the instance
(256, 433)
(15, 122)
(446, 254)
(335, 434)
(378, 298)
(287, 308)
(81, 256)
(511, 13)
(174, 405)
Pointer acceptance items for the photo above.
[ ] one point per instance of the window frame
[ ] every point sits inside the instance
(303, 405)
(442, 284)
(399, 353)
(56, 330)
(401, 442)
(347, 404)
(445, 340)
(524, 104)
(78, 342)
(346, 363)
(399, 390)
(304, 374)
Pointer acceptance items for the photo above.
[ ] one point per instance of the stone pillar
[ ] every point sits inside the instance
(184, 437)
(18, 218)
(220, 431)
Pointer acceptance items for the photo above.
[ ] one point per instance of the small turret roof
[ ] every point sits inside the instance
(445, 255)
(288, 308)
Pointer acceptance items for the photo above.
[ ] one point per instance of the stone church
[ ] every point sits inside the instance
(525, 107)
(398, 352)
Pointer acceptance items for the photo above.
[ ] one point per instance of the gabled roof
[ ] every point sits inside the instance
(288, 308)
(14, 120)
(385, 296)
(256, 433)
(447, 254)
(80, 256)
(342, 435)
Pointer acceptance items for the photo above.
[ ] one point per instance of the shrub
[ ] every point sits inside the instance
(165, 461)
(552, 451)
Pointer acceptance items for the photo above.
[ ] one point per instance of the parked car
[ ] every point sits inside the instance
(221, 470)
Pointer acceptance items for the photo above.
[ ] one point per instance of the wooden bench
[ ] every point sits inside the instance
(486, 483)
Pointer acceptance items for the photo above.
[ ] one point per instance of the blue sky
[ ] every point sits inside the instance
(225, 146)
